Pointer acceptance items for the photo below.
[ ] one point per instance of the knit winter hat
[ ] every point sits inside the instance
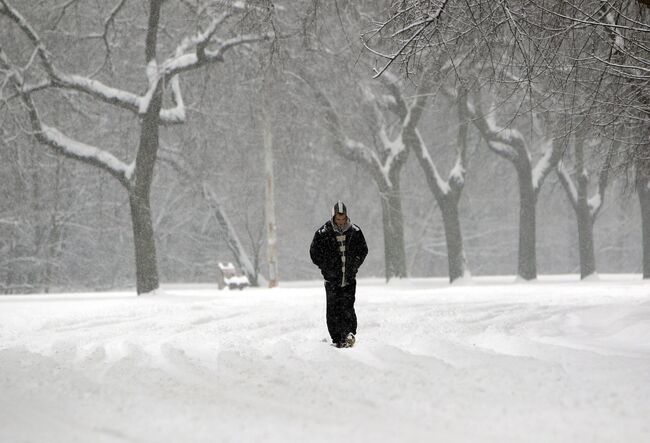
(339, 208)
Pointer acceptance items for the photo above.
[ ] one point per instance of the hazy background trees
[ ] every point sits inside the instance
(567, 70)
(65, 226)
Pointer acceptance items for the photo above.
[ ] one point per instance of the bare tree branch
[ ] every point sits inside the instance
(166, 71)
(62, 143)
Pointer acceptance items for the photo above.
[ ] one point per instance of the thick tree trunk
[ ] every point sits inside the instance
(644, 200)
(586, 244)
(513, 147)
(393, 219)
(143, 237)
(583, 212)
(146, 267)
(447, 201)
(455, 253)
(578, 195)
(527, 262)
(12, 259)
(585, 229)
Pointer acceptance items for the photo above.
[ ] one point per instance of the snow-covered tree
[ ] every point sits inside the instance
(577, 189)
(447, 193)
(40, 70)
(523, 45)
(511, 145)
(383, 157)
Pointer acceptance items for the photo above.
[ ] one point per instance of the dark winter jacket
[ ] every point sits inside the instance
(325, 252)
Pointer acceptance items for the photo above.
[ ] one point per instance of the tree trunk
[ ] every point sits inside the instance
(585, 223)
(455, 253)
(527, 262)
(447, 201)
(146, 267)
(586, 243)
(269, 213)
(644, 200)
(393, 220)
(578, 195)
(513, 147)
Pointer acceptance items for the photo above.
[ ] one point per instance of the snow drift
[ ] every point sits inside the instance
(492, 361)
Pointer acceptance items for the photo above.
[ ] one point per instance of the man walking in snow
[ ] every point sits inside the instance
(338, 249)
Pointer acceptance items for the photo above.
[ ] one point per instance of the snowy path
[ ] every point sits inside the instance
(550, 361)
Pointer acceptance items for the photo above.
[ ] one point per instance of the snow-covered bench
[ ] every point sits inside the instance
(229, 276)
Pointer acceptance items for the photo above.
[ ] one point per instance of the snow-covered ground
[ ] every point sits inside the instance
(493, 361)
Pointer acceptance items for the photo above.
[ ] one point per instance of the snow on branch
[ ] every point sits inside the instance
(510, 141)
(177, 113)
(60, 142)
(63, 144)
(416, 108)
(371, 101)
(43, 84)
(568, 184)
(98, 90)
(457, 174)
(346, 147)
(188, 61)
(395, 147)
(201, 39)
(506, 142)
(436, 183)
(551, 157)
(503, 149)
(83, 84)
(413, 139)
(217, 54)
(85, 153)
(397, 103)
(358, 151)
(596, 202)
(166, 72)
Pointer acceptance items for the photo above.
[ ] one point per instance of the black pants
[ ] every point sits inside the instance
(341, 318)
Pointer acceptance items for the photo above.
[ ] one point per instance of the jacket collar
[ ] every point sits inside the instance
(347, 226)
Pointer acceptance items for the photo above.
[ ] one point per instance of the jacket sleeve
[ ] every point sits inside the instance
(316, 250)
(360, 253)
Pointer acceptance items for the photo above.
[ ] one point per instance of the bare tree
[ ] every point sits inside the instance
(384, 160)
(202, 48)
(511, 145)
(619, 101)
(447, 193)
(602, 46)
(411, 25)
(586, 208)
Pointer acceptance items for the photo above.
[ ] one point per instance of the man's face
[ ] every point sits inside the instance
(340, 220)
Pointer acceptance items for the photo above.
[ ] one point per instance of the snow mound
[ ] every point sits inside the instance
(558, 360)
